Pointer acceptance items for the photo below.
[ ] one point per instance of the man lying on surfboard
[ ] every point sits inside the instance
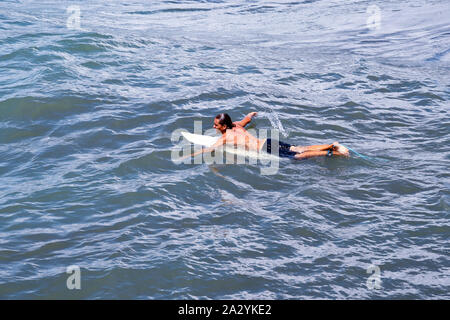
(233, 133)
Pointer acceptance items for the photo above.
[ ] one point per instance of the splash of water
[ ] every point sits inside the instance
(272, 115)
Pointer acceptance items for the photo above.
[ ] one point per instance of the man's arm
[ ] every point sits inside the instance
(246, 119)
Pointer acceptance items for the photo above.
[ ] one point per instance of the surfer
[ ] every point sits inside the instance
(233, 133)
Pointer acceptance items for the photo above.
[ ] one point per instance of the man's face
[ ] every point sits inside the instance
(218, 126)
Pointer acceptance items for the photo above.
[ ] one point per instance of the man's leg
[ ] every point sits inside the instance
(320, 147)
(337, 151)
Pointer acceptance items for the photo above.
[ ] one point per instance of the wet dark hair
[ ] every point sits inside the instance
(224, 119)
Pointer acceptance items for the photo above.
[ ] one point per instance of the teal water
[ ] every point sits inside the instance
(87, 115)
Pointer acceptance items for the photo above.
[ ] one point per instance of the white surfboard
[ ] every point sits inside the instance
(208, 141)
(199, 139)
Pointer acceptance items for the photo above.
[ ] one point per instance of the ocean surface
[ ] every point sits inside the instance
(91, 93)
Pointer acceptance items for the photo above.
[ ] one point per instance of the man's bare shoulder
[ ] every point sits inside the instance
(239, 128)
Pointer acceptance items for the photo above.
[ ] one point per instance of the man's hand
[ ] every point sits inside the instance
(252, 114)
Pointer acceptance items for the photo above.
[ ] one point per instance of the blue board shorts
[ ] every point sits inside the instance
(283, 148)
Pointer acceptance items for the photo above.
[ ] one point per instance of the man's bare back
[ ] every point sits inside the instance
(241, 138)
